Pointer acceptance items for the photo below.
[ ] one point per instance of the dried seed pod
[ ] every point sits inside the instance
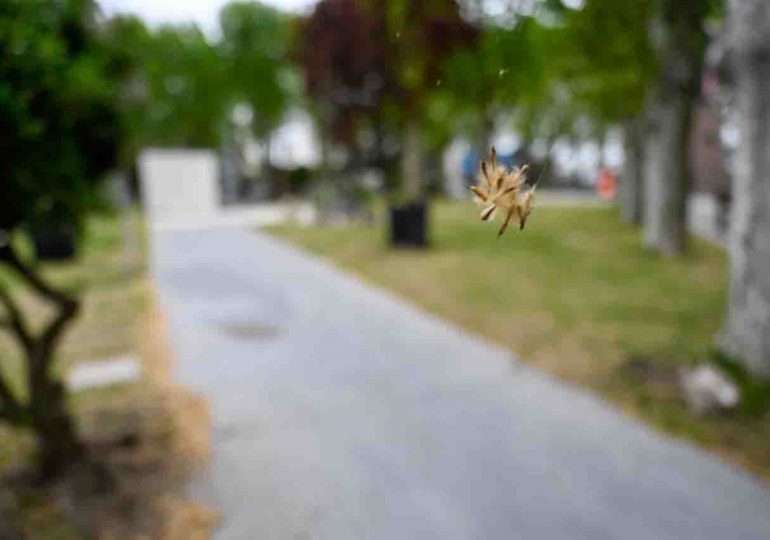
(501, 188)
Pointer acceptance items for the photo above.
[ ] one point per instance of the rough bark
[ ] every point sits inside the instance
(681, 43)
(631, 186)
(46, 412)
(58, 444)
(412, 162)
(666, 177)
(746, 334)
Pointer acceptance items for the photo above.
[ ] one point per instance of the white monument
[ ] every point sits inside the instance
(180, 185)
(181, 189)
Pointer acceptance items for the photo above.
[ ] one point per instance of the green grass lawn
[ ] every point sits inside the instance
(112, 286)
(114, 294)
(576, 295)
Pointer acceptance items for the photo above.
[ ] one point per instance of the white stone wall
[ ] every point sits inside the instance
(180, 184)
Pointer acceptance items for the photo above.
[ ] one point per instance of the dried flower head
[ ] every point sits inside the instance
(503, 189)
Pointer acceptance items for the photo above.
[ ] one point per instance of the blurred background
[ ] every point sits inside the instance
(353, 129)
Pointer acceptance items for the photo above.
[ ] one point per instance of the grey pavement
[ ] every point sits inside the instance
(341, 412)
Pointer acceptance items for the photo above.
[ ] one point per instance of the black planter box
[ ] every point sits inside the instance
(409, 225)
(54, 245)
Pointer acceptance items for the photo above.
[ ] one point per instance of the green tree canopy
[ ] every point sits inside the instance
(254, 45)
(186, 87)
(509, 69)
(57, 107)
(126, 44)
(612, 62)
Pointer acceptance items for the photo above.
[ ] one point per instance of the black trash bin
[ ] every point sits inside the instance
(409, 225)
(54, 244)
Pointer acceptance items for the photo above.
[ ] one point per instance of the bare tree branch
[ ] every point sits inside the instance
(8, 402)
(39, 349)
(10, 257)
(46, 343)
(15, 321)
(10, 406)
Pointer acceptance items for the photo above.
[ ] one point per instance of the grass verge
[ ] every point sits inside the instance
(144, 438)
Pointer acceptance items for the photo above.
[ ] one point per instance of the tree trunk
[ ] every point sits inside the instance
(680, 44)
(412, 162)
(58, 443)
(746, 334)
(631, 187)
(666, 176)
(324, 134)
(46, 412)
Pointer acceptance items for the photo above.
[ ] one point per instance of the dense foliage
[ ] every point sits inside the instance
(57, 107)
(254, 48)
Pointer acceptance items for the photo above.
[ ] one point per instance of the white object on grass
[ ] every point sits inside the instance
(706, 388)
(99, 374)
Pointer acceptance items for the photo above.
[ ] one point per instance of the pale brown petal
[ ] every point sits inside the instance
(525, 208)
(507, 190)
(479, 193)
(499, 180)
(506, 221)
(483, 165)
(488, 212)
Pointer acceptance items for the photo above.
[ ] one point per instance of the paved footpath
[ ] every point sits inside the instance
(341, 412)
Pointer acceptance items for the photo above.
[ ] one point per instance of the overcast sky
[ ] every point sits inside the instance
(203, 12)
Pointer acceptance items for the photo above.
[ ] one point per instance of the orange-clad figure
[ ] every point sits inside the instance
(606, 185)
